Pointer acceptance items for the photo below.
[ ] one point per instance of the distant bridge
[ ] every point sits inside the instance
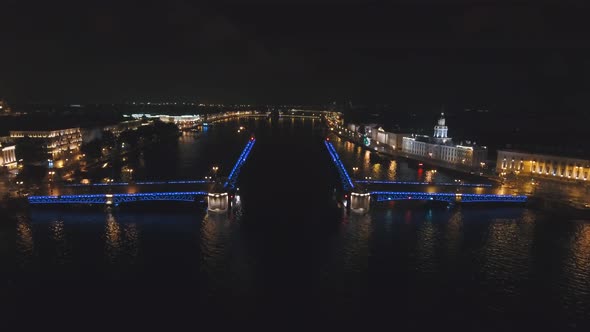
(293, 113)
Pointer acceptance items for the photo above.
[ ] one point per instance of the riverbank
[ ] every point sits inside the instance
(387, 152)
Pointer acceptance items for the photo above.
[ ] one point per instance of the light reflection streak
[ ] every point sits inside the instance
(58, 236)
(429, 176)
(131, 233)
(576, 270)
(392, 171)
(112, 238)
(376, 171)
(454, 234)
(24, 240)
(507, 251)
(427, 240)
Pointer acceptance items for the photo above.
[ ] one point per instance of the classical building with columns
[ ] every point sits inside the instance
(542, 165)
(8, 156)
(440, 147)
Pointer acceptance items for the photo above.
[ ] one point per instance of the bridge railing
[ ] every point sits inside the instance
(116, 199)
(347, 183)
(137, 183)
(235, 172)
(456, 184)
(382, 196)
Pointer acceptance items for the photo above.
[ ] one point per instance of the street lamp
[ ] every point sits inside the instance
(215, 169)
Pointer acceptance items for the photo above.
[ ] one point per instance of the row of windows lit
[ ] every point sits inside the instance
(548, 168)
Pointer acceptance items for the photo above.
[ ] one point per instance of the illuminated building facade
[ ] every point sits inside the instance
(542, 165)
(395, 140)
(440, 147)
(182, 121)
(378, 134)
(57, 142)
(8, 156)
(4, 108)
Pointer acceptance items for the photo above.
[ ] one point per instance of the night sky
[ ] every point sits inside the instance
(491, 54)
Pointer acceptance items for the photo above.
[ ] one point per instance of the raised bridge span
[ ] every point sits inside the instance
(358, 194)
(216, 193)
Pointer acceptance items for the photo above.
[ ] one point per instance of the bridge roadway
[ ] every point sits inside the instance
(122, 192)
(358, 194)
(427, 188)
(303, 114)
(132, 188)
(216, 192)
(116, 199)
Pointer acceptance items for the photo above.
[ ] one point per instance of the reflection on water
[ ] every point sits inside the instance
(454, 234)
(392, 170)
(576, 290)
(581, 253)
(376, 171)
(429, 176)
(427, 242)
(214, 232)
(132, 233)
(113, 239)
(24, 241)
(60, 244)
(366, 163)
(358, 231)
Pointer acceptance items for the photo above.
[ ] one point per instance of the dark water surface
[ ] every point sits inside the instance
(289, 257)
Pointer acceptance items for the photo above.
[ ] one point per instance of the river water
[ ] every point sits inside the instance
(289, 255)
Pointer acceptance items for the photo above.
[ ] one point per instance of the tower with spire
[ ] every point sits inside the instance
(441, 147)
(441, 130)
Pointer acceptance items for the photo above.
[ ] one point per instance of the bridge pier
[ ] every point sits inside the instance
(217, 202)
(360, 202)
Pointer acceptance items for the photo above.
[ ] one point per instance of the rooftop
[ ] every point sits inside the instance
(550, 152)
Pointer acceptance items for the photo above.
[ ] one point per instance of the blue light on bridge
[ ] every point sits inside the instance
(381, 196)
(346, 180)
(138, 183)
(115, 199)
(233, 175)
(424, 183)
